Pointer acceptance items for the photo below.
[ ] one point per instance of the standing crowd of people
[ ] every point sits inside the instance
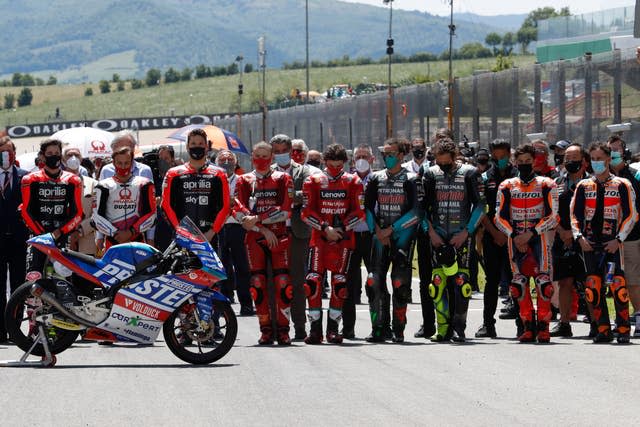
(301, 223)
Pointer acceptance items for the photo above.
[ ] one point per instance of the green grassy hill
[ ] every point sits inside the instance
(217, 94)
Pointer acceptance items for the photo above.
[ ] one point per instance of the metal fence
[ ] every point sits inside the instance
(571, 99)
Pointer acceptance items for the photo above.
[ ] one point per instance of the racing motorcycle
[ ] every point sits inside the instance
(128, 295)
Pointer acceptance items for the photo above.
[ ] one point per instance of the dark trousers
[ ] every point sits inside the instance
(298, 270)
(12, 261)
(424, 272)
(361, 253)
(233, 254)
(164, 233)
(496, 264)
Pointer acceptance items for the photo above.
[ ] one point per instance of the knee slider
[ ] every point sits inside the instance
(339, 285)
(544, 286)
(283, 284)
(312, 285)
(402, 291)
(517, 285)
(462, 285)
(256, 287)
(370, 280)
(593, 289)
(619, 289)
(437, 285)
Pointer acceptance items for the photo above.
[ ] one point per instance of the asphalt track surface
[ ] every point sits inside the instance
(482, 382)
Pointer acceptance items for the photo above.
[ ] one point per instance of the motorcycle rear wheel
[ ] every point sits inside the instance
(22, 307)
(184, 341)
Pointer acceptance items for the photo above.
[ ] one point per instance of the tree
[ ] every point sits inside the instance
(528, 32)
(508, 41)
(473, 50)
(171, 75)
(16, 79)
(201, 71)
(248, 67)
(153, 77)
(88, 92)
(27, 80)
(9, 100)
(493, 40)
(120, 85)
(104, 86)
(52, 81)
(503, 63)
(115, 78)
(25, 97)
(232, 69)
(186, 73)
(136, 84)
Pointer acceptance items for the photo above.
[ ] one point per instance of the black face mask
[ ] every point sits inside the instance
(315, 163)
(52, 162)
(559, 159)
(196, 153)
(526, 170)
(431, 157)
(482, 161)
(418, 154)
(573, 167)
(446, 168)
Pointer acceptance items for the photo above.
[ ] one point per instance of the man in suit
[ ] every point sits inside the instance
(300, 232)
(13, 233)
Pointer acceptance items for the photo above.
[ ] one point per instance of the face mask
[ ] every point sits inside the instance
(431, 157)
(52, 162)
(362, 165)
(390, 161)
(228, 167)
(539, 160)
(315, 163)
(573, 167)
(502, 163)
(73, 163)
(334, 171)
(261, 164)
(616, 159)
(598, 166)
(446, 168)
(196, 153)
(482, 161)
(525, 170)
(122, 171)
(418, 154)
(298, 156)
(6, 160)
(558, 159)
(282, 159)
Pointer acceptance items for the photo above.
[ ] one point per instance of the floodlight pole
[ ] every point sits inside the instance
(307, 46)
(452, 32)
(239, 60)
(389, 86)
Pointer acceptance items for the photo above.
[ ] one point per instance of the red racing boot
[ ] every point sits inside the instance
(283, 336)
(528, 334)
(267, 336)
(543, 335)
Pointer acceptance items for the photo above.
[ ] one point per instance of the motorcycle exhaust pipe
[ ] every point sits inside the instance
(40, 292)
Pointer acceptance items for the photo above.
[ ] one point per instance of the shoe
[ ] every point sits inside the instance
(247, 310)
(438, 338)
(543, 336)
(375, 336)
(458, 336)
(300, 334)
(267, 336)
(387, 333)
(313, 338)
(527, 336)
(487, 331)
(593, 330)
(603, 337)
(623, 339)
(334, 337)
(562, 329)
(510, 311)
(348, 334)
(420, 333)
(398, 336)
(283, 337)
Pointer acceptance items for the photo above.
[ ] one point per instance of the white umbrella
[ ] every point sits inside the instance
(27, 161)
(92, 142)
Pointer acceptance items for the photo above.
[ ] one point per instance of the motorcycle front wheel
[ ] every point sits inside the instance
(20, 321)
(201, 344)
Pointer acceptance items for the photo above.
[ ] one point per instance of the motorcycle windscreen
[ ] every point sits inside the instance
(189, 236)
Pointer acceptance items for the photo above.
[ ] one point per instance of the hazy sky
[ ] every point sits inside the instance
(498, 7)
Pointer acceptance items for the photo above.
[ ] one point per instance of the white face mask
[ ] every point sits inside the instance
(6, 160)
(73, 163)
(362, 165)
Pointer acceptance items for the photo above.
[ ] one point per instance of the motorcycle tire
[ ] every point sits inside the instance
(174, 336)
(23, 333)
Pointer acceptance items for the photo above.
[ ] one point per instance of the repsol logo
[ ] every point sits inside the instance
(607, 193)
(56, 191)
(191, 185)
(531, 195)
(333, 194)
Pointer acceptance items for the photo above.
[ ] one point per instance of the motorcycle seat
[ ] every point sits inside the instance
(87, 259)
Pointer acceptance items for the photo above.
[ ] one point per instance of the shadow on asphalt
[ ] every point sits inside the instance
(149, 366)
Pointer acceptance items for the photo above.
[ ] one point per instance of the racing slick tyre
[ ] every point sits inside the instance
(201, 344)
(22, 327)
